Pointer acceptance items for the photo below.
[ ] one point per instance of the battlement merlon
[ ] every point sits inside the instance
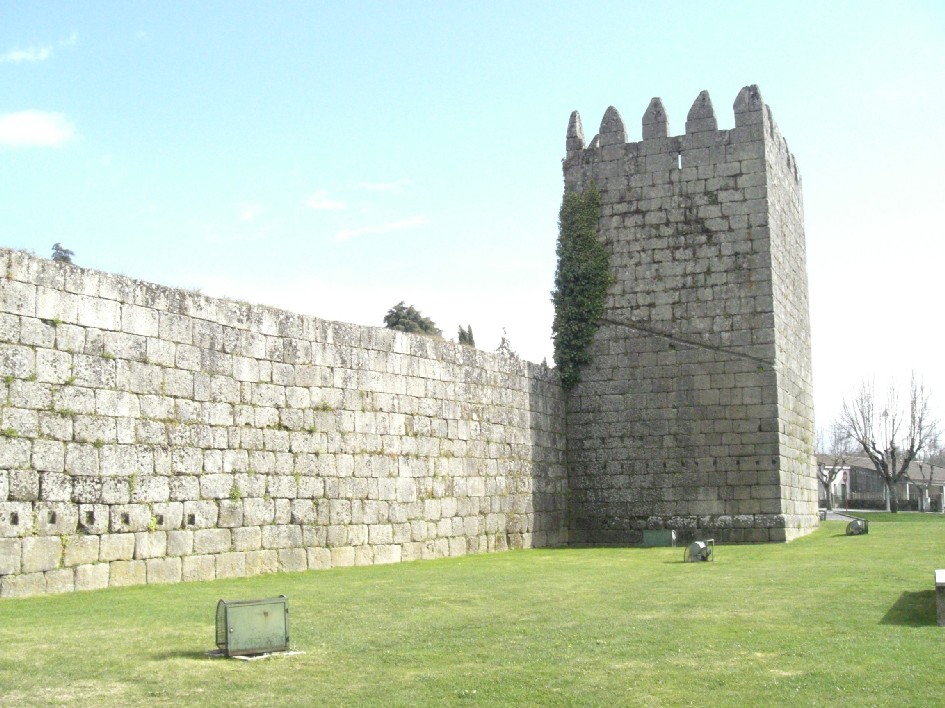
(752, 120)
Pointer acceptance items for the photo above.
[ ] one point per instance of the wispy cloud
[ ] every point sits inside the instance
(30, 55)
(384, 186)
(410, 223)
(321, 200)
(35, 129)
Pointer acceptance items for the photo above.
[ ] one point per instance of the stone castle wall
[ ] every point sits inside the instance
(153, 435)
(696, 410)
(156, 435)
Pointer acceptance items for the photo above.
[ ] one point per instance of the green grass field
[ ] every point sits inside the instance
(825, 620)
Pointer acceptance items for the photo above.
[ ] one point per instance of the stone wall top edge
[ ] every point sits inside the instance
(701, 128)
(27, 268)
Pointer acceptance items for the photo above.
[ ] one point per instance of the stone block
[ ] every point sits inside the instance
(197, 568)
(11, 550)
(92, 577)
(292, 560)
(14, 452)
(50, 456)
(54, 518)
(167, 515)
(282, 536)
(231, 565)
(163, 570)
(150, 544)
(130, 517)
(180, 543)
(60, 581)
(200, 514)
(55, 486)
(41, 553)
(247, 538)
(139, 320)
(230, 513)
(81, 459)
(341, 557)
(17, 361)
(282, 511)
(184, 488)
(80, 550)
(364, 555)
(29, 395)
(151, 488)
(124, 573)
(212, 541)
(388, 553)
(218, 486)
(259, 562)
(116, 546)
(318, 558)
(93, 519)
(257, 512)
(25, 585)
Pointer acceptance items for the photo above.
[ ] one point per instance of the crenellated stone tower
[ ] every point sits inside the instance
(696, 411)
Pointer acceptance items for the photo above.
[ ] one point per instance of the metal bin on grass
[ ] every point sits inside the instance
(253, 626)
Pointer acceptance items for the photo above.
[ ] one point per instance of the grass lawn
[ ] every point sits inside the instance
(825, 620)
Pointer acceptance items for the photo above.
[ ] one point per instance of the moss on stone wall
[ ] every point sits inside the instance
(581, 282)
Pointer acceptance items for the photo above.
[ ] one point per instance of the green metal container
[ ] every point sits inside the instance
(253, 626)
(659, 537)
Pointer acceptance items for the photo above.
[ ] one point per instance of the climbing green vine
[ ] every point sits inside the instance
(581, 282)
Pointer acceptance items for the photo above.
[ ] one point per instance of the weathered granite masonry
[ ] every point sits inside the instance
(696, 412)
(151, 435)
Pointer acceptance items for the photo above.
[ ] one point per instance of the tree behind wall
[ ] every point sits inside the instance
(891, 434)
(466, 336)
(835, 444)
(406, 318)
(60, 254)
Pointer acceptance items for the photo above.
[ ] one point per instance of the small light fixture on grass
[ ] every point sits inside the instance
(246, 627)
(700, 551)
(857, 527)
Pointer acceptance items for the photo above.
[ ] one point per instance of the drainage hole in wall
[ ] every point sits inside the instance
(191, 519)
(52, 517)
(160, 519)
(14, 519)
(89, 518)
(125, 519)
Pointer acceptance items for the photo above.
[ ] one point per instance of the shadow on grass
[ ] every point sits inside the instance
(165, 655)
(912, 609)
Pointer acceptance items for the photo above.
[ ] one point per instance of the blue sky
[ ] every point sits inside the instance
(335, 158)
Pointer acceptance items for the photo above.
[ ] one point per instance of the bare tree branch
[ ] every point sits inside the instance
(878, 432)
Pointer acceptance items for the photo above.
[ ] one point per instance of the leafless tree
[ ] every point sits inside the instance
(890, 434)
(931, 459)
(836, 445)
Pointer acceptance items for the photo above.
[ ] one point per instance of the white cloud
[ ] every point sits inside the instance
(35, 129)
(36, 54)
(321, 200)
(31, 55)
(410, 223)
